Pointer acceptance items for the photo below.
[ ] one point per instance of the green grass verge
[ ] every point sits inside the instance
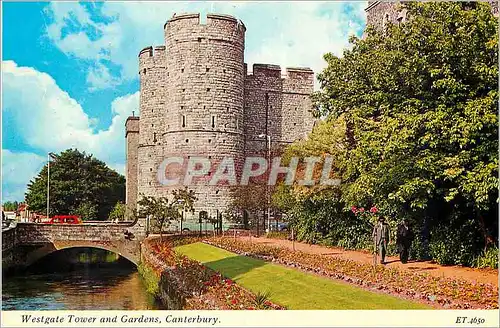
(149, 279)
(292, 288)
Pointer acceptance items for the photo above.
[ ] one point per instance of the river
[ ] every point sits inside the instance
(89, 287)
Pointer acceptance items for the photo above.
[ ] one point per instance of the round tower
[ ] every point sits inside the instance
(152, 105)
(204, 107)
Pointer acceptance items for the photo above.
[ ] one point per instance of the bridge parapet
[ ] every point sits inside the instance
(32, 233)
(25, 243)
(8, 238)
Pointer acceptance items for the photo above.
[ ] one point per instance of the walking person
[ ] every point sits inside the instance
(380, 236)
(404, 240)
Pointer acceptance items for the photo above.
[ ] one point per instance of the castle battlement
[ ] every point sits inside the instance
(146, 52)
(185, 17)
(197, 97)
(193, 19)
(267, 70)
(151, 57)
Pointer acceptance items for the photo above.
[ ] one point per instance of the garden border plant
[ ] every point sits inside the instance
(183, 283)
(439, 291)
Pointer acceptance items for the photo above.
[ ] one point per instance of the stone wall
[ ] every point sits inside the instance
(196, 99)
(32, 233)
(132, 144)
(192, 98)
(27, 242)
(378, 13)
(8, 239)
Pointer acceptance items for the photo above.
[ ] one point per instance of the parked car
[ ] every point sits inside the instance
(235, 226)
(65, 219)
(283, 226)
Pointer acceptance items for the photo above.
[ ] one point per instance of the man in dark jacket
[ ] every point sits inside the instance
(404, 240)
(381, 238)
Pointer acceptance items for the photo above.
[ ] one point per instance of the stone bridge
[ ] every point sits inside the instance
(26, 243)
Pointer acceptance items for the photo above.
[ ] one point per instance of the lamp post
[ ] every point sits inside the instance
(268, 146)
(181, 201)
(49, 155)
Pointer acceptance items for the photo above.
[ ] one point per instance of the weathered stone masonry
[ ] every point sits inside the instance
(379, 13)
(27, 242)
(198, 99)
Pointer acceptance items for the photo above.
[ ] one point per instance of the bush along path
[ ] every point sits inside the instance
(183, 283)
(441, 292)
(484, 275)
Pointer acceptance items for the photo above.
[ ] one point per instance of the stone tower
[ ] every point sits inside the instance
(132, 143)
(379, 13)
(197, 100)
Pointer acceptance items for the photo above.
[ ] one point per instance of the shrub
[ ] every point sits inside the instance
(488, 259)
(455, 242)
(277, 235)
(418, 249)
(149, 278)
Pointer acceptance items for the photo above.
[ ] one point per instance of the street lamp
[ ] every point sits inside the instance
(268, 146)
(49, 156)
(180, 202)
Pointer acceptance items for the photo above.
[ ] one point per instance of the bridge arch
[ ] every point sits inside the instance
(52, 247)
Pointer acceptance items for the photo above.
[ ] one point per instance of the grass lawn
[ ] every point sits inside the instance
(292, 288)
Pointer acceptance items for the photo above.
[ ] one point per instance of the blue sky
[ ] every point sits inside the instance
(69, 70)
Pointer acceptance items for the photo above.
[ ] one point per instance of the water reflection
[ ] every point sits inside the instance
(112, 287)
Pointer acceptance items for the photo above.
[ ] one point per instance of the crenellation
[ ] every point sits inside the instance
(146, 52)
(266, 70)
(298, 80)
(185, 18)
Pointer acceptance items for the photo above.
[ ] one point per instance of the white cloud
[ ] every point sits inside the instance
(99, 77)
(48, 119)
(17, 170)
(284, 33)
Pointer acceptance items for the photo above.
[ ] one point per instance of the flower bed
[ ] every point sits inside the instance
(188, 284)
(439, 291)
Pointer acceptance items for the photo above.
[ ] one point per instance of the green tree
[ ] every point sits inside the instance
(118, 212)
(163, 210)
(418, 103)
(183, 201)
(79, 184)
(87, 211)
(10, 206)
(159, 209)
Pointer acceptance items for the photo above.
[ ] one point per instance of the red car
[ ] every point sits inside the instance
(65, 219)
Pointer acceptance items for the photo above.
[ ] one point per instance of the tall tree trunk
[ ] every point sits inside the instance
(488, 239)
(161, 228)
